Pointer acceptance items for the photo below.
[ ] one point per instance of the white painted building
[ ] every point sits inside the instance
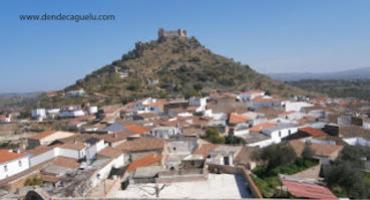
(68, 113)
(93, 110)
(295, 105)
(366, 124)
(38, 114)
(165, 131)
(200, 103)
(12, 163)
(249, 95)
(357, 141)
(280, 131)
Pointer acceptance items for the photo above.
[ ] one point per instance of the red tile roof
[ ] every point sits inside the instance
(236, 118)
(6, 156)
(136, 129)
(142, 144)
(204, 149)
(313, 132)
(66, 162)
(308, 190)
(110, 152)
(152, 159)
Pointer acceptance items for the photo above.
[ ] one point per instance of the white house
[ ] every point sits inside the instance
(295, 105)
(7, 118)
(52, 113)
(165, 131)
(366, 123)
(249, 95)
(280, 131)
(241, 129)
(357, 141)
(200, 103)
(93, 110)
(71, 111)
(76, 93)
(12, 163)
(38, 114)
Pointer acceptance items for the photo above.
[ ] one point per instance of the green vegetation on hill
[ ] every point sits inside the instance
(336, 88)
(169, 68)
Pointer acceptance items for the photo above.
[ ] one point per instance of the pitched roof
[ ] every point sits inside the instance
(259, 127)
(313, 132)
(142, 144)
(41, 135)
(66, 162)
(110, 152)
(136, 128)
(204, 149)
(148, 160)
(73, 145)
(308, 190)
(236, 118)
(115, 137)
(319, 149)
(39, 150)
(6, 155)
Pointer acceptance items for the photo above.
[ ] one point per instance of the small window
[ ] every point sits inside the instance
(20, 163)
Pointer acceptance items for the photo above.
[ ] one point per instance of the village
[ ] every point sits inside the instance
(202, 147)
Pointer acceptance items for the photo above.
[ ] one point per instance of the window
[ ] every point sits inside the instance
(20, 163)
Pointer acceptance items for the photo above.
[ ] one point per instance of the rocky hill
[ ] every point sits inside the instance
(173, 65)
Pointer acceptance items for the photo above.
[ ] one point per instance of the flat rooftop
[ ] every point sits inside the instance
(218, 186)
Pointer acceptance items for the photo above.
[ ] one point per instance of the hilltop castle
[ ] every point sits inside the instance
(163, 34)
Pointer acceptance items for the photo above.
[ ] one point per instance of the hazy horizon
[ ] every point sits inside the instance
(270, 36)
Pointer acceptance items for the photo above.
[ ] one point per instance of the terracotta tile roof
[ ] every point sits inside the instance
(136, 129)
(313, 132)
(110, 152)
(327, 150)
(41, 135)
(142, 144)
(6, 156)
(73, 145)
(148, 160)
(204, 149)
(257, 128)
(235, 118)
(66, 162)
(115, 137)
(308, 190)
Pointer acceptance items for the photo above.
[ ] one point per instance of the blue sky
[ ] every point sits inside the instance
(269, 35)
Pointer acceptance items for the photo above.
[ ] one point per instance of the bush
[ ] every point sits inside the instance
(32, 181)
(214, 136)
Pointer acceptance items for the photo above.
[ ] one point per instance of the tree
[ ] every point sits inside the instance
(276, 155)
(345, 175)
(214, 136)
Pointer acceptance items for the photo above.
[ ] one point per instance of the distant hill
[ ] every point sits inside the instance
(354, 74)
(359, 88)
(17, 101)
(171, 66)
